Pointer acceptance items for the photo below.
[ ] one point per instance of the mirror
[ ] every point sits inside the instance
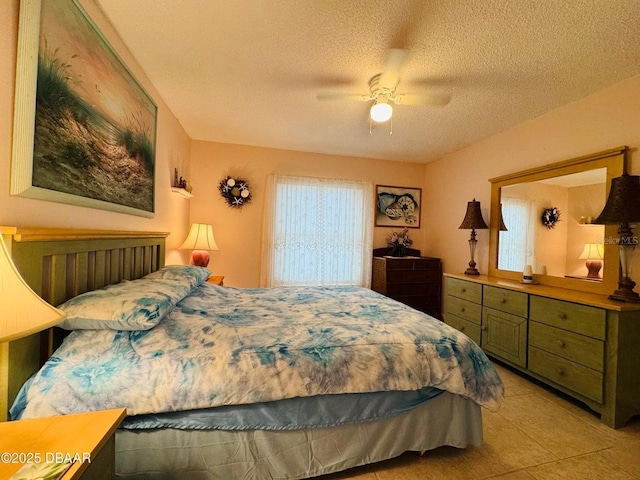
(549, 213)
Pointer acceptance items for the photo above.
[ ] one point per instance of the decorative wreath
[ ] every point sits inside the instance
(235, 191)
(550, 216)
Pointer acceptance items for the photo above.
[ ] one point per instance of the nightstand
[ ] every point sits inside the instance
(87, 437)
(216, 279)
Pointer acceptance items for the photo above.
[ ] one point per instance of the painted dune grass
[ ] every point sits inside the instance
(78, 151)
(94, 125)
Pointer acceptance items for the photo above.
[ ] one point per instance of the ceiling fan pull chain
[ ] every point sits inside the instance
(370, 132)
(390, 126)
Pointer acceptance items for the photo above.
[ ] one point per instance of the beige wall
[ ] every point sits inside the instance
(172, 149)
(238, 232)
(607, 119)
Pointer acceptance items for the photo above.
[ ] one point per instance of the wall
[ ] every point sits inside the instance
(238, 232)
(172, 150)
(607, 119)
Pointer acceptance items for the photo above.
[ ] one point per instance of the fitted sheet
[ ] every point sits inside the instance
(259, 455)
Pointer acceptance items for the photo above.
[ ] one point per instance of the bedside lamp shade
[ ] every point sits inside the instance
(200, 240)
(22, 311)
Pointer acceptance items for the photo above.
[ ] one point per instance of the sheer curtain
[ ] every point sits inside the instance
(517, 245)
(317, 232)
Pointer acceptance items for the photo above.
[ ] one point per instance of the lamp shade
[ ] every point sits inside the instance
(22, 311)
(473, 218)
(200, 237)
(381, 112)
(592, 251)
(503, 227)
(623, 204)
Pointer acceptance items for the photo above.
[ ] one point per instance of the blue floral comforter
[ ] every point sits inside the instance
(227, 346)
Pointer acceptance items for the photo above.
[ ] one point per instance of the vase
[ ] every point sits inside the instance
(398, 251)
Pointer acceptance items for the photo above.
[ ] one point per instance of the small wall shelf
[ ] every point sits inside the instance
(181, 191)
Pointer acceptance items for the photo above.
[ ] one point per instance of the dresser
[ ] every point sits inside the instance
(415, 281)
(582, 344)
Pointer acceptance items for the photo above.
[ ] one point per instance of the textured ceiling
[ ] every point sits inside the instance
(248, 71)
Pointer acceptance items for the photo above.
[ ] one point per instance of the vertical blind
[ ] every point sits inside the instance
(318, 232)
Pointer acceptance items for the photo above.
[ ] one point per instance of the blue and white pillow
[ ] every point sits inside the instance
(129, 305)
(192, 274)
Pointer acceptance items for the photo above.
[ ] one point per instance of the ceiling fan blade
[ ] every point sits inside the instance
(396, 60)
(342, 96)
(433, 99)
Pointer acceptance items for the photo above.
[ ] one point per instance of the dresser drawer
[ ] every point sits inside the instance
(471, 330)
(413, 276)
(468, 290)
(580, 349)
(394, 289)
(580, 379)
(505, 300)
(470, 311)
(582, 319)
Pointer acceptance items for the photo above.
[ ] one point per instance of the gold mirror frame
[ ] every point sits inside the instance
(614, 161)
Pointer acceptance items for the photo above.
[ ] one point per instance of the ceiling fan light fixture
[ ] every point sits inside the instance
(381, 112)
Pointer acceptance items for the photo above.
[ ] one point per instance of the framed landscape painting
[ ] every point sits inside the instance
(84, 128)
(398, 206)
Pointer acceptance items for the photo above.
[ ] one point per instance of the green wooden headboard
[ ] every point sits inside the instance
(59, 264)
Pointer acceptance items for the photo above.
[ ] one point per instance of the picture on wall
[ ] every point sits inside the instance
(85, 129)
(398, 206)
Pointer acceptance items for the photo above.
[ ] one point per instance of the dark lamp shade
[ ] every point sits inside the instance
(503, 227)
(473, 218)
(623, 204)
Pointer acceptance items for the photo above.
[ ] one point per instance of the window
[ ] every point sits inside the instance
(317, 232)
(517, 244)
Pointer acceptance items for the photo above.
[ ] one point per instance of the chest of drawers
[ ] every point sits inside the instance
(582, 344)
(414, 281)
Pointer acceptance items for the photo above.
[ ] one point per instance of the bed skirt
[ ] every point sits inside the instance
(294, 454)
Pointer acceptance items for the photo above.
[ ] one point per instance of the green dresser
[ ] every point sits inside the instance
(584, 345)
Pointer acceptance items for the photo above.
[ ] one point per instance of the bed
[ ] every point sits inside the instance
(230, 383)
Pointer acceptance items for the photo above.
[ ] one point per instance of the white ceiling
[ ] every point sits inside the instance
(248, 71)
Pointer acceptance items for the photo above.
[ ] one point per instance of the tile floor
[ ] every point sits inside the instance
(536, 435)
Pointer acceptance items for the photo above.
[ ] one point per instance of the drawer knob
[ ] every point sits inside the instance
(463, 290)
(462, 328)
(560, 343)
(503, 300)
(483, 328)
(462, 309)
(562, 315)
(559, 371)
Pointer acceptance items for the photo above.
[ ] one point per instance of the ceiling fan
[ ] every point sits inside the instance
(383, 87)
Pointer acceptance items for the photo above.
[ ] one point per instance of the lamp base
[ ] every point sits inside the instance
(625, 292)
(471, 271)
(594, 266)
(200, 258)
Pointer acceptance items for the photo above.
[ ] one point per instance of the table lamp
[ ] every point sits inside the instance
(622, 209)
(593, 253)
(200, 240)
(473, 220)
(23, 311)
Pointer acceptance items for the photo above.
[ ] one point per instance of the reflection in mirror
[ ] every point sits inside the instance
(553, 248)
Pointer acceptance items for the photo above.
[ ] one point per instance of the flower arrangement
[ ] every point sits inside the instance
(399, 242)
